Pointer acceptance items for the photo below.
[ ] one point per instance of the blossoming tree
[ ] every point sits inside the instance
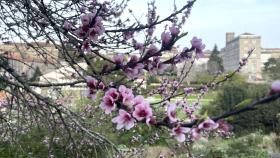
(89, 31)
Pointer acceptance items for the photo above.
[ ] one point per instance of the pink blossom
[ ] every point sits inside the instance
(275, 86)
(171, 113)
(126, 95)
(151, 121)
(156, 66)
(98, 25)
(97, 29)
(108, 104)
(118, 59)
(86, 47)
(174, 30)
(179, 133)
(142, 111)
(113, 93)
(91, 94)
(208, 125)
(101, 86)
(127, 35)
(93, 34)
(80, 33)
(165, 38)
(135, 71)
(86, 19)
(138, 46)
(91, 82)
(67, 25)
(195, 134)
(188, 90)
(82, 9)
(139, 99)
(175, 84)
(133, 59)
(123, 120)
(152, 50)
(185, 55)
(198, 46)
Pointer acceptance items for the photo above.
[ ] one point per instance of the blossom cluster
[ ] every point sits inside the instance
(179, 132)
(90, 29)
(133, 68)
(93, 87)
(131, 108)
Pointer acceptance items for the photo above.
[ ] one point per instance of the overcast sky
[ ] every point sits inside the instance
(211, 19)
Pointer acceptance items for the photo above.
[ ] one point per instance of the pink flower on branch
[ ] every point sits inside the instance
(80, 33)
(67, 25)
(208, 125)
(151, 121)
(87, 18)
(138, 46)
(198, 46)
(86, 47)
(123, 120)
(118, 59)
(113, 93)
(134, 71)
(156, 66)
(91, 82)
(98, 25)
(91, 94)
(128, 35)
(195, 134)
(179, 133)
(152, 50)
(165, 38)
(108, 104)
(174, 30)
(188, 90)
(171, 113)
(101, 86)
(142, 111)
(275, 87)
(126, 95)
(139, 99)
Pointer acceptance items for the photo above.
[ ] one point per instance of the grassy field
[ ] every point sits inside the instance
(191, 99)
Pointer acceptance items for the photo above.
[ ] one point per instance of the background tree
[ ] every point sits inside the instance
(215, 63)
(272, 69)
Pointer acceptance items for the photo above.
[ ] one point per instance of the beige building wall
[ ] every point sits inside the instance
(268, 53)
(237, 48)
(253, 66)
(230, 55)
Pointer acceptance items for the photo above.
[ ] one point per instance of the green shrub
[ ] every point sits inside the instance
(236, 95)
(242, 147)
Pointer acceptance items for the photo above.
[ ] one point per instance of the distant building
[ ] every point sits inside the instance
(268, 53)
(24, 59)
(237, 48)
